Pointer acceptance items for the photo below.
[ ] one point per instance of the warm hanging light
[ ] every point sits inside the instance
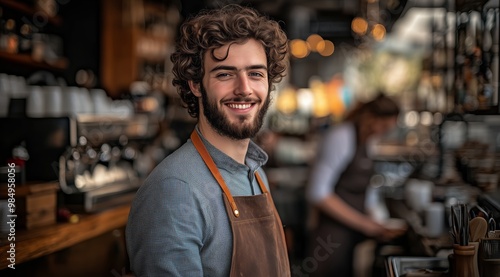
(314, 41)
(305, 101)
(378, 32)
(299, 48)
(321, 106)
(327, 48)
(359, 26)
(333, 90)
(287, 101)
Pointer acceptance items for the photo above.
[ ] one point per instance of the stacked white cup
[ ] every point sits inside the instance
(35, 102)
(4, 94)
(86, 101)
(53, 101)
(100, 101)
(72, 104)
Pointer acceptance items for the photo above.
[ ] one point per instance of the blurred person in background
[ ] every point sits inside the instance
(206, 209)
(338, 185)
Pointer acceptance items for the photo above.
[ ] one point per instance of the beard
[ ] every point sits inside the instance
(243, 128)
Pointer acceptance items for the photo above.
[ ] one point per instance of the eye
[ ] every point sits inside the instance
(257, 74)
(223, 75)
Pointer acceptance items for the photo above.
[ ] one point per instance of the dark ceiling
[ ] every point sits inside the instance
(329, 18)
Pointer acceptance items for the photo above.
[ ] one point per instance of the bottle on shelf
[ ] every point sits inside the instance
(1, 27)
(9, 40)
(25, 38)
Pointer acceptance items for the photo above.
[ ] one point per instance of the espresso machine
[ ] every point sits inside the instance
(98, 160)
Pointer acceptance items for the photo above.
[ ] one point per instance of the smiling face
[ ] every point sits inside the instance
(235, 90)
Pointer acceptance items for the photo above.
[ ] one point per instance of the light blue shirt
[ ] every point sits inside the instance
(335, 153)
(178, 225)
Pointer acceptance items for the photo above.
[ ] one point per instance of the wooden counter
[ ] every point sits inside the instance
(49, 239)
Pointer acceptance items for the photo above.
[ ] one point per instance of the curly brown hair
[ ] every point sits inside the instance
(212, 29)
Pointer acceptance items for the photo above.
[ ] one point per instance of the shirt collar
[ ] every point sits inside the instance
(255, 157)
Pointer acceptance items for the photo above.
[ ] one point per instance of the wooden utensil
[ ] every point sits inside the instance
(478, 227)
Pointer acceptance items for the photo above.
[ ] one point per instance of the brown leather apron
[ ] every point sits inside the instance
(259, 247)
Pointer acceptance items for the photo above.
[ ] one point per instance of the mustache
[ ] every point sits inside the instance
(241, 99)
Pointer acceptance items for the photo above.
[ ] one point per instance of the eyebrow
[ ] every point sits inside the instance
(234, 68)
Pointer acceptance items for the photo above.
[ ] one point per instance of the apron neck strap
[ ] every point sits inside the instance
(198, 144)
(261, 183)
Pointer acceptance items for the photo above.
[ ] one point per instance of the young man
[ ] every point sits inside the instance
(206, 209)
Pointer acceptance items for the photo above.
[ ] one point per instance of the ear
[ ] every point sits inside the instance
(195, 88)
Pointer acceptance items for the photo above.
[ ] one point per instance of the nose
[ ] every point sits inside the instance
(243, 85)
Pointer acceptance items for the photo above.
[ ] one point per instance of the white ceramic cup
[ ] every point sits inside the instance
(100, 101)
(53, 101)
(17, 87)
(87, 105)
(434, 219)
(35, 102)
(122, 108)
(4, 94)
(4, 84)
(418, 194)
(72, 103)
(4, 211)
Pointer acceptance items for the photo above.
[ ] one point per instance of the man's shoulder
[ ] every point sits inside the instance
(183, 167)
(178, 163)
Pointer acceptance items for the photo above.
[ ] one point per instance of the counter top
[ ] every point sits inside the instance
(49, 239)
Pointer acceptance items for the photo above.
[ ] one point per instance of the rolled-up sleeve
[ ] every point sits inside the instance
(334, 155)
(164, 233)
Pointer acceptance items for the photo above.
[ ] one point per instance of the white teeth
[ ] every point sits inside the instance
(240, 106)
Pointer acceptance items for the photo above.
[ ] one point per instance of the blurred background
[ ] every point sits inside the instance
(87, 110)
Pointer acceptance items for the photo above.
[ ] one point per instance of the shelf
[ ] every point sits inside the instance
(28, 10)
(46, 240)
(30, 188)
(493, 110)
(27, 60)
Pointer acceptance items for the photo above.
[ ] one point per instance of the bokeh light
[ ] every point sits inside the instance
(359, 26)
(298, 48)
(378, 32)
(327, 48)
(314, 41)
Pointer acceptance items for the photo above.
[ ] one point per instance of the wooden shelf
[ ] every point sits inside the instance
(46, 240)
(27, 60)
(30, 188)
(127, 46)
(28, 10)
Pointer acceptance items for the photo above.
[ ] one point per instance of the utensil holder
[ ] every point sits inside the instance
(463, 261)
(475, 258)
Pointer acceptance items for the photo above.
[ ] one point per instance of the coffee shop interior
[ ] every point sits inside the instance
(88, 109)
